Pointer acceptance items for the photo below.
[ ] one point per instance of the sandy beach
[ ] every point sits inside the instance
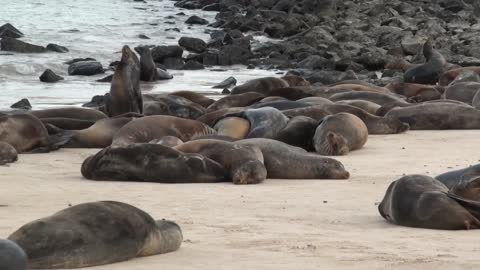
(280, 224)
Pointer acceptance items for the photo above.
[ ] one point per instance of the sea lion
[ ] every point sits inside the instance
(476, 101)
(67, 123)
(264, 122)
(437, 116)
(125, 93)
(25, 133)
(379, 98)
(284, 161)
(178, 106)
(198, 98)
(70, 112)
(339, 134)
(453, 178)
(362, 88)
(326, 92)
(170, 141)
(267, 84)
(419, 92)
(281, 105)
(235, 127)
(462, 91)
(148, 128)
(291, 93)
(421, 201)
(148, 69)
(299, 132)
(240, 100)
(145, 162)
(384, 109)
(99, 135)
(271, 98)
(244, 163)
(375, 124)
(12, 257)
(211, 118)
(430, 71)
(399, 63)
(215, 137)
(8, 154)
(96, 233)
(368, 106)
(315, 100)
(448, 76)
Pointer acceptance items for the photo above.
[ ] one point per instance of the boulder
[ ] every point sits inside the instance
(233, 54)
(49, 76)
(57, 48)
(193, 65)
(23, 104)
(15, 45)
(173, 63)
(85, 68)
(196, 20)
(8, 30)
(159, 53)
(193, 44)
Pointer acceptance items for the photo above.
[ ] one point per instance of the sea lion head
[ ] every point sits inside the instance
(294, 80)
(335, 169)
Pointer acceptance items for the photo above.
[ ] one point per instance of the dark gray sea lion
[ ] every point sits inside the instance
(12, 257)
(267, 84)
(264, 122)
(281, 105)
(416, 92)
(215, 137)
(326, 92)
(448, 76)
(368, 106)
(70, 112)
(421, 201)
(378, 98)
(284, 161)
(125, 93)
(384, 109)
(198, 98)
(244, 163)
(299, 132)
(8, 154)
(291, 93)
(232, 126)
(453, 178)
(144, 162)
(68, 123)
(148, 69)
(148, 128)
(462, 91)
(430, 71)
(178, 106)
(315, 100)
(170, 141)
(240, 100)
(92, 234)
(375, 124)
(437, 116)
(339, 134)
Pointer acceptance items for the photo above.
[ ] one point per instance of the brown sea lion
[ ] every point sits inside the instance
(299, 132)
(12, 257)
(271, 98)
(421, 201)
(170, 141)
(125, 93)
(148, 128)
(281, 105)
(326, 92)
(70, 112)
(25, 133)
(244, 163)
(437, 116)
(383, 110)
(316, 100)
(339, 134)
(291, 93)
(8, 154)
(92, 234)
(67, 123)
(284, 161)
(267, 84)
(430, 71)
(362, 88)
(368, 106)
(144, 162)
(421, 92)
(379, 98)
(448, 76)
(400, 64)
(234, 127)
(375, 124)
(211, 118)
(198, 98)
(148, 69)
(165, 104)
(240, 100)
(453, 178)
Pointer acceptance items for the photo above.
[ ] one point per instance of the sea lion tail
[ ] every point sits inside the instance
(59, 139)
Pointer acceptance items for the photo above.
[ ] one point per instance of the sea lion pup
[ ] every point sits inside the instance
(291, 93)
(264, 122)
(8, 154)
(267, 84)
(421, 201)
(430, 71)
(448, 76)
(281, 105)
(368, 106)
(165, 104)
(437, 116)
(148, 128)
(452, 178)
(148, 69)
(299, 132)
(25, 133)
(420, 92)
(145, 162)
(339, 134)
(96, 233)
(99, 135)
(70, 112)
(379, 98)
(375, 124)
(12, 257)
(240, 100)
(284, 161)
(234, 127)
(315, 100)
(195, 97)
(125, 94)
(244, 163)
(170, 141)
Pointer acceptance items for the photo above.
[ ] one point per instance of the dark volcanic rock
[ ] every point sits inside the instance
(173, 63)
(15, 45)
(159, 53)
(23, 104)
(233, 54)
(164, 75)
(57, 48)
(97, 101)
(75, 60)
(142, 36)
(85, 68)
(196, 20)
(193, 65)
(192, 44)
(8, 30)
(106, 79)
(227, 83)
(49, 76)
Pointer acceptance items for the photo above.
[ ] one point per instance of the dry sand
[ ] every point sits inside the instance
(280, 224)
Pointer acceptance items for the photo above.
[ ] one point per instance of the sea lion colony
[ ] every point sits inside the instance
(266, 128)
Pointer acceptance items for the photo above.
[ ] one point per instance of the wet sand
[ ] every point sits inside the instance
(280, 224)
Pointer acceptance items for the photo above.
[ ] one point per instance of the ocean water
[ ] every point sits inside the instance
(97, 29)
